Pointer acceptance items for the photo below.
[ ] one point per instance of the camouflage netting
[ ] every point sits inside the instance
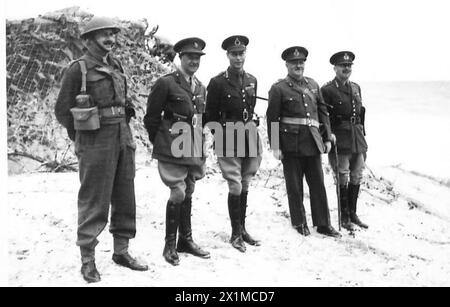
(37, 52)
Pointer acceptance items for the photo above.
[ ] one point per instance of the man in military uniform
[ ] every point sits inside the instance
(179, 98)
(106, 155)
(347, 123)
(296, 106)
(231, 101)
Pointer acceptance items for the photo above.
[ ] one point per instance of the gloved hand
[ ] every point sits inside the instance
(129, 113)
(129, 109)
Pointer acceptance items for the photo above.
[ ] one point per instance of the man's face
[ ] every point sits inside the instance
(295, 68)
(237, 59)
(105, 39)
(190, 62)
(343, 71)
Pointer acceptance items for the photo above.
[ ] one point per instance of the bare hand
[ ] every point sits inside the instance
(333, 139)
(327, 147)
(278, 154)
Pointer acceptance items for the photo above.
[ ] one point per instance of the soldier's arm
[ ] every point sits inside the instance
(70, 88)
(327, 98)
(324, 117)
(155, 106)
(273, 110)
(363, 113)
(213, 102)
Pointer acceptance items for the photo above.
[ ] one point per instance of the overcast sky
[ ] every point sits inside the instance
(392, 40)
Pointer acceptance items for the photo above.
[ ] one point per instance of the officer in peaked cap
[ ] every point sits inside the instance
(295, 53)
(235, 43)
(342, 58)
(179, 98)
(347, 124)
(106, 152)
(231, 100)
(192, 45)
(297, 108)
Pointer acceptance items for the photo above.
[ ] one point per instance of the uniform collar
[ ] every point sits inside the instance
(185, 75)
(302, 81)
(340, 84)
(235, 74)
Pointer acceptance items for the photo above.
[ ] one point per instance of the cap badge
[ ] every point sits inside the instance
(346, 57)
(237, 42)
(195, 45)
(296, 52)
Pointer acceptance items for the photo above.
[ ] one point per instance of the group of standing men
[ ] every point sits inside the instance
(310, 121)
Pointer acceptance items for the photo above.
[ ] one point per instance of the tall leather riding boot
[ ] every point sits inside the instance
(345, 209)
(245, 235)
(353, 192)
(234, 209)
(172, 222)
(185, 242)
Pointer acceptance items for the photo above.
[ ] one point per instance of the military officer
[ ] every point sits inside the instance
(231, 101)
(179, 97)
(296, 106)
(347, 123)
(105, 149)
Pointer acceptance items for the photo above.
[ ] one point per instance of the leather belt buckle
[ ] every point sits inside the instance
(245, 115)
(353, 120)
(194, 121)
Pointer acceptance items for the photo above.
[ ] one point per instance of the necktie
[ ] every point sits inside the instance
(192, 84)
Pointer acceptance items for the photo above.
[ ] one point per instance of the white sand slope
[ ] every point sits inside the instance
(408, 242)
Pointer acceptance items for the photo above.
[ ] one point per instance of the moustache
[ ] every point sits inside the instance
(346, 71)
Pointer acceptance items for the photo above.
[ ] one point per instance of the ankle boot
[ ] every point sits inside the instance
(245, 235)
(186, 243)
(172, 222)
(235, 217)
(353, 192)
(345, 210)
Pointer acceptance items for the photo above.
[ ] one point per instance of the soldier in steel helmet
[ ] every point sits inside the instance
(174, 110)
(347, 124)
(231, 102)
(297, 107)
(93, 107)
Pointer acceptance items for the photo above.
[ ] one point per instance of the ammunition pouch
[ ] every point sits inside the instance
(86, 118)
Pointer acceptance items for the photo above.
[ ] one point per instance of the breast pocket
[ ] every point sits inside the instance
(180, 104)
(100, 86)
(291, 104)
(200, 103)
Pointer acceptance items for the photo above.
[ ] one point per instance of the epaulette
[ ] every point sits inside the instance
(310, 80)
(170, 74)
(328, 83)
(354, 83)
(250, 75)
(222, 74)
(198, 81)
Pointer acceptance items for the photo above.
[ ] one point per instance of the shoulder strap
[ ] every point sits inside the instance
(83, 75)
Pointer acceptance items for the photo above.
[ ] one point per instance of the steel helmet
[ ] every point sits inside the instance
(99, 23)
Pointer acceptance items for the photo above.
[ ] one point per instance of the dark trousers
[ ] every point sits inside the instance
(311, 167)
(106, 160)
